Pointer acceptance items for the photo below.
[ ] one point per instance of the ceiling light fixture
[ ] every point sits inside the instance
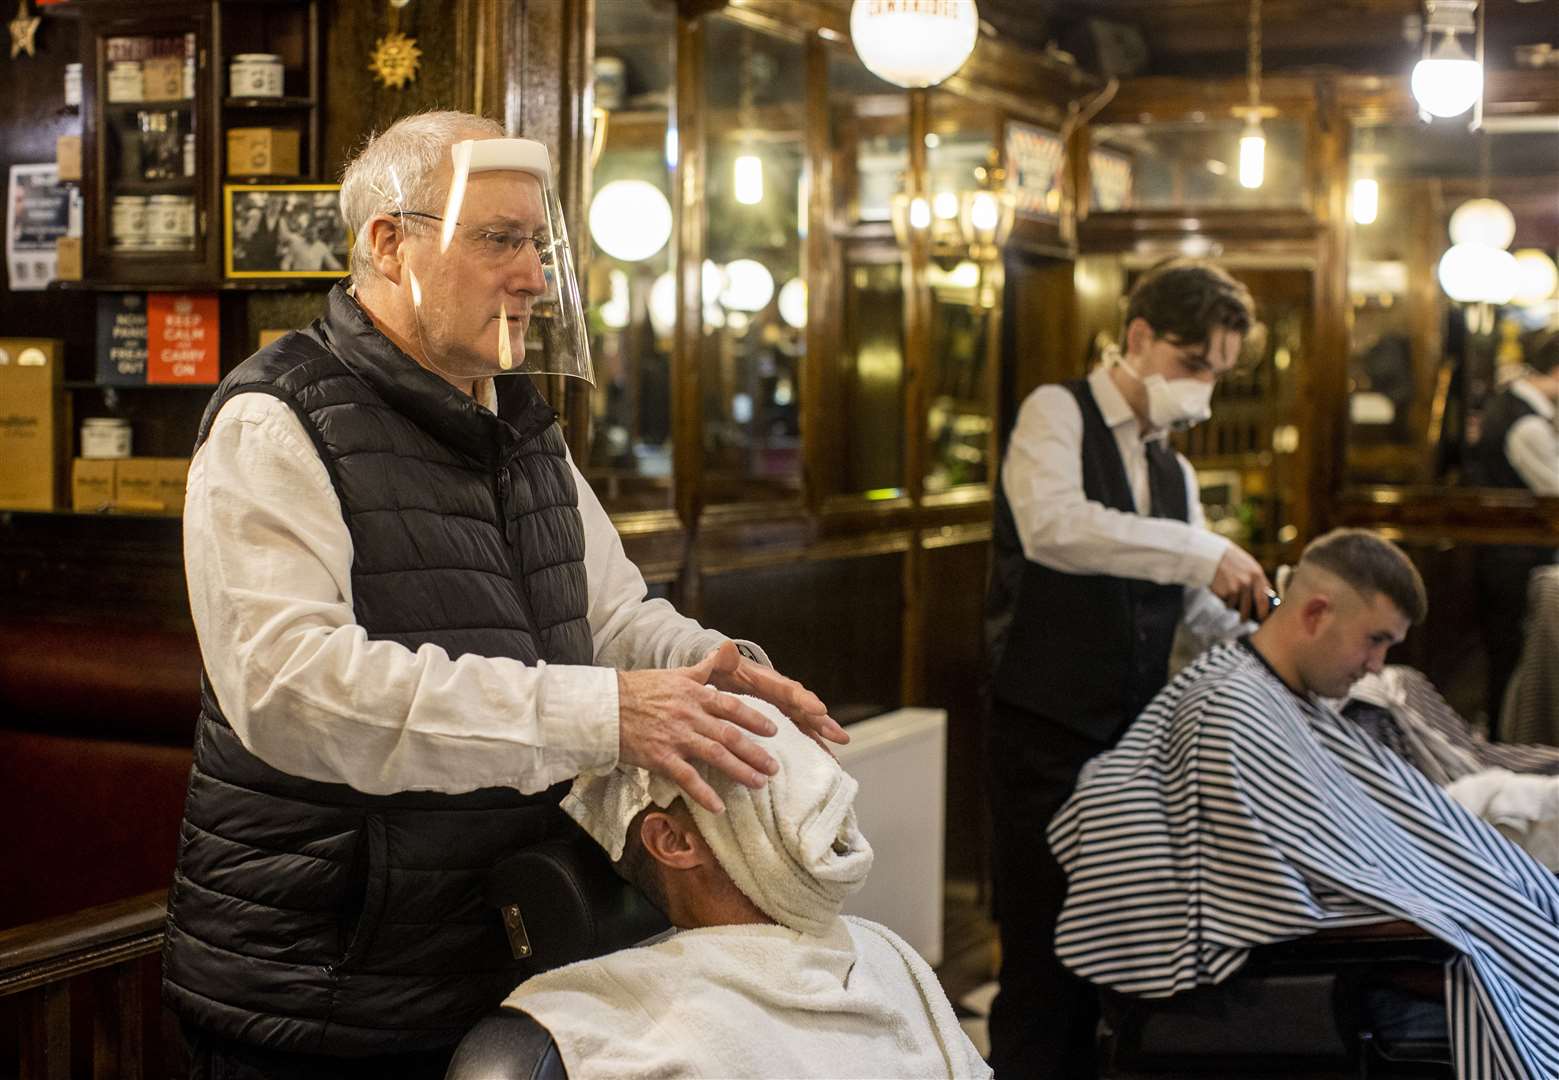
(914, 43)
(1446, 81)
(1253, 140)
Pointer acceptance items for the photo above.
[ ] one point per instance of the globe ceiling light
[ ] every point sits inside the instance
(1483, 221)
(914, 43)
(1476, 274)
(748, 285)
(663, 305)
(630, 220)
(1447, 82)
(793, 303)
(1536, 277)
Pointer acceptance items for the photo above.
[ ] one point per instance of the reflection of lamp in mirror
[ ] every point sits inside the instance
(615, 311)
(1478, 274)
(748, 285)
(914, 43)
(747, 179)
(1365, 200)
(911, 217)
(793, 303)
(1536, 277)
(663, 305)
(1447, 82)
(630, 220)
(1488, 222)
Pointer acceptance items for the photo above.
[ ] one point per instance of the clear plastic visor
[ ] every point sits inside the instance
(489, 273)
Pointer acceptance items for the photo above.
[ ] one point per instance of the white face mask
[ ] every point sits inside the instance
(1172, 403)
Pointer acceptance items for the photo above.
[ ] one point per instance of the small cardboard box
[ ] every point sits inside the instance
(172, 473)
(262, 152)
(163, 77)
(67, 156)
(34, 423)
(67, 258)
(138, 485)
(92, 484)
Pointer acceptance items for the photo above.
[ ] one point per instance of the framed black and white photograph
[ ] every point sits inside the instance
(284, 231)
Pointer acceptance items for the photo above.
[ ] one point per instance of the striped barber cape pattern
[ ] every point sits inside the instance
(1233, 814)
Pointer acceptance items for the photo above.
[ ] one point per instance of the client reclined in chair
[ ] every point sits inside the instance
(763, 977)
(1240, 810)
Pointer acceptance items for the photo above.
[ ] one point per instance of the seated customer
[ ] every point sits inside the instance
(764, 977)
(1240, 810)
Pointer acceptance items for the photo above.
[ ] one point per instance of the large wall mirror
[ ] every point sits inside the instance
(1451, 283)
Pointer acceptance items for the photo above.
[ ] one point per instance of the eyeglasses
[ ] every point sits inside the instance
(497, 244)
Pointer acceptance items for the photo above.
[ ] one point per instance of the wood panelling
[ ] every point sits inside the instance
(833, 624)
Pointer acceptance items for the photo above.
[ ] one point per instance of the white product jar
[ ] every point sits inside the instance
(255, 75)
(105, 437)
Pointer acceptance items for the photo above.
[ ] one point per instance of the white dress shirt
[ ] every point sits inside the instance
(269, 562)
(1532, 443)
(1060, 527)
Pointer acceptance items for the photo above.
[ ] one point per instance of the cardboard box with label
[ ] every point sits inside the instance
(67, 258)
(138, 485)
(34, 423)
(92, 484)
(162, 78)
(262, 152)
(172, 474)
(67, 156)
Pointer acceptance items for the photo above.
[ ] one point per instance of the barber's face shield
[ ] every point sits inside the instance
(490, 274)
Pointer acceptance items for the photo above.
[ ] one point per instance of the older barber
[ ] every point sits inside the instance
(417, 625)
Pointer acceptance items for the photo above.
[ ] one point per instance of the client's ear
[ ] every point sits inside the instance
(673, 841)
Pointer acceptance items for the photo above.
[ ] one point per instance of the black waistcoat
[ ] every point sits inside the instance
(1086, 651)
(309, 916)
(1490, 466)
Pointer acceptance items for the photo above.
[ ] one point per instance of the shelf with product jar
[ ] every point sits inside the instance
(163, 87)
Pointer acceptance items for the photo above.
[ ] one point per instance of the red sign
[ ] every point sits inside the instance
(181, 338)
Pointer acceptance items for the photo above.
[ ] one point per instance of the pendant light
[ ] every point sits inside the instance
(1446, 81)
(914, 43)
(1253, 140)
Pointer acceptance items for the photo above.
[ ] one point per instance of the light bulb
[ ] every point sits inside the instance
(748, 286)
(663, 305)
(748, 179)
(1483, 221)
(983, 212)
(1448, 82)
(1536, 277)
(1473, 273)
(945, 205)
(919, 213)
(1253, 155)
(1366, 200)
(630, 220)
(913, 44)
(793, 303)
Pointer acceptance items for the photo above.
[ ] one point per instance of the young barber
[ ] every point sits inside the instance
(1100, 553)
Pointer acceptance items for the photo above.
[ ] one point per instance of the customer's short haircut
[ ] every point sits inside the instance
(1543, 356)
(1371, 565)
(637, 866)
(1184, 301)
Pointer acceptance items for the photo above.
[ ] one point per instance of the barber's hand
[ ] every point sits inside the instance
(1241, 583)
(739, 675)
(669, 719)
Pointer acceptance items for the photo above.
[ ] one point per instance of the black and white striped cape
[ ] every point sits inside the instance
(1233, 815)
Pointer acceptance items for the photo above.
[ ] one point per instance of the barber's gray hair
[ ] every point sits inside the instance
(397, 169)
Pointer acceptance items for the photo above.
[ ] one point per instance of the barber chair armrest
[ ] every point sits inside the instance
(508, 1045)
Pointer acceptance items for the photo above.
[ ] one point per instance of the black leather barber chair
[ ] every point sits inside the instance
(1296, 1010)
(560, 901)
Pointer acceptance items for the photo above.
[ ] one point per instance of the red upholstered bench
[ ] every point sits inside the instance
(96, 728)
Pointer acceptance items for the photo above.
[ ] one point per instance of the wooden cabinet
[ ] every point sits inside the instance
(156, 109)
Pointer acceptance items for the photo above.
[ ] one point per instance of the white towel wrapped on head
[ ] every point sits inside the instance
(792, 847)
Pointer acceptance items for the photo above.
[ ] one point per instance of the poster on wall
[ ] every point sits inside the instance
(181, 339)
(37, 214)
(1109, 181)
(1036, 160)
(121, 339)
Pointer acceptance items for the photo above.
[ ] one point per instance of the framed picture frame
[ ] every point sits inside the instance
(283, 231)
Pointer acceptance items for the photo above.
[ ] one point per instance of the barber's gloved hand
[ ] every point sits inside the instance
(1240, 582)
(741, 675)
(670, 719)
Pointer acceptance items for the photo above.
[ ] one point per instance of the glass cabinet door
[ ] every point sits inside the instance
(146, 131)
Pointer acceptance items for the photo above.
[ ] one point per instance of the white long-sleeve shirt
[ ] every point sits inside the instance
(1532, 443)
(1060, 527)
(268, 559)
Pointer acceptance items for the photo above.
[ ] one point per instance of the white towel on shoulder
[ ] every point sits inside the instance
(754, 1001)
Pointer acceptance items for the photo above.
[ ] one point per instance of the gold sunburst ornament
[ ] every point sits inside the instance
(24, 32)
(395, 59)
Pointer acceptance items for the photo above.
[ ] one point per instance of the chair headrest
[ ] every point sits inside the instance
(570, 902)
